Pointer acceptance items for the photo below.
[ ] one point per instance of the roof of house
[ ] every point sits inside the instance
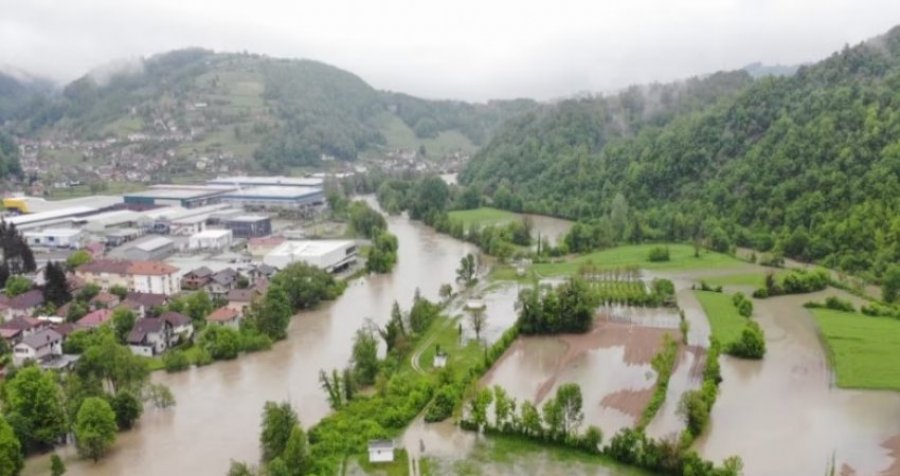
(96, 318)
(381, 444)
(201, 272)
(151, 268)
(242, 295)
(9, 333)
(21, 323)
(176, 319)
(147, 325)
(104, 297)
(223, 314)
(27, 300)
(41, 338)
(148, 300)
(225, 276)
(105, 265)
(66, 328)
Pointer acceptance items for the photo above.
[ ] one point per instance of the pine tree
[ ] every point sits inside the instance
(56, 288)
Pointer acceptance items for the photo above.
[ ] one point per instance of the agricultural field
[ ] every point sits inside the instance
(862, 349)
(723, 317)
(398, 135)
(681, 258)
(483, 216)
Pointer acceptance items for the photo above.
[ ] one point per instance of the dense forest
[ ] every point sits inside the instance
(808, 165)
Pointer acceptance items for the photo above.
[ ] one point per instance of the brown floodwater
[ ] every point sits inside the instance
(218, 407)
(782, 415)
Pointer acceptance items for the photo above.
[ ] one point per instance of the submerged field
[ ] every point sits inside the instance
(724, 320)
(863, 349)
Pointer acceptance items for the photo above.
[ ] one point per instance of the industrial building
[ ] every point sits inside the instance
(152, 249)
(70, 238)
(330, 255)
(210, 240)
(187, 196)
(59, 217)
(25, 205)
(276, 197)
(249, 226)
(102, 221)
(267, 181)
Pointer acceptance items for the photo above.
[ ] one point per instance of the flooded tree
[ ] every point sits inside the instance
(365, 356)
(467, 270)
(11, 461)
(478, 319)
(95, 428)
(278, 421)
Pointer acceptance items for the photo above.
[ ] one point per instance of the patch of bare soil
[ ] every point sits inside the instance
(892, 444)
(629, 402)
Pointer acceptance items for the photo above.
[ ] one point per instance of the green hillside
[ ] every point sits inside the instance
(807, 164)
(282, 113)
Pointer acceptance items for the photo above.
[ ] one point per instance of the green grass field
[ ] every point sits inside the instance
(863, 349)
(681, 258)
(482, 217)
(447, 336)
(742, 279)
(398, 135)
(724, 320)
(498, 454)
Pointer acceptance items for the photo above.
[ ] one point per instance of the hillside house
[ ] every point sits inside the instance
(196, 278)
(38, 346)
(149, 336)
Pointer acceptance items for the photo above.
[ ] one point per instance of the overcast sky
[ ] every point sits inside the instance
(463, 49)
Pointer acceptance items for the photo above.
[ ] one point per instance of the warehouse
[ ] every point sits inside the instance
(249, 226)
(275, 197)
(184, 196)
(330, 255)
(151, 249)
(210, 240)
(71, 238)
(268, 181)
(114, 219)
(60, 217)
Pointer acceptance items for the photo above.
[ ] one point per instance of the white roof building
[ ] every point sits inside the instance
(326, 254)
(55, 238)
(210, 239)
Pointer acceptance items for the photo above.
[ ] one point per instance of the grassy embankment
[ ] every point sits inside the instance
(681, 258)
(724, 320)
(483, 216)
(862, 349)
(513, 455)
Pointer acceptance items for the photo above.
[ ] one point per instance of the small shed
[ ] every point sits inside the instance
(381, 451)
(440, 359)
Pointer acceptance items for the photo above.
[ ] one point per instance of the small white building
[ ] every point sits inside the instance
(211, 240)
(381, 451)
(154, 277)
(72, 238)
(151, 249)
(440, 360)
(37, 346)
(329, 255)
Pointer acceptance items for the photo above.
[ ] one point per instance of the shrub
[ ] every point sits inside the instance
(176, 360)
(442, 406)
(658, 254)
(751, 344)
(743, 305)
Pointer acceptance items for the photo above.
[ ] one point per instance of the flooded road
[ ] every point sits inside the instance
(217, 416)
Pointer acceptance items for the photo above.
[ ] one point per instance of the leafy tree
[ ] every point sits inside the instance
(446, 291)
(17, 285)
(110, 362)
(128, 409)
(239, 468)
(478, 319)
(11, 461)
(123, 321)
(554, 417)
(467, 269)
(478, 406)
(222, 342)
(296, 453)
(530, 417)
(306, 286)
(78, 258)
(890, 287)
(176, 360)
(197, 306)
(57, 467)
(34, 406)
(272, 314)
(95, 428)
(568, 397)
(119, 290)
(383, 253)
(365, 356)
(278, 423)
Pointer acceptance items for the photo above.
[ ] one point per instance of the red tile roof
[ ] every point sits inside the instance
(114, 266)
(223, 314)
(151, 268)
(96, 318)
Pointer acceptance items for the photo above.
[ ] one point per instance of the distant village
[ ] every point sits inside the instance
(226, 237)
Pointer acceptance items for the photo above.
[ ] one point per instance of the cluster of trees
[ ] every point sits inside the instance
(743, 305)
(9, 157)
(382, 256)
(751, 344)
(663, 363)
(834, 303)
(798, 281)
(106, 392)
(566, 308)
(806, 165)
(496, 240)
(284, 446)
(634, 293)
(17, 256)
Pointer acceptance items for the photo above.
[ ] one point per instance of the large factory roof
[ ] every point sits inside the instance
(263, 181)
(274, 192)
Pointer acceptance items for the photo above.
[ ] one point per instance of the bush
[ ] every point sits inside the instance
(743, 305)
(658, 254)
(798, 281)
(443, 404)
(253, 341)
(833, 302)
(176, 361)
(751, 344)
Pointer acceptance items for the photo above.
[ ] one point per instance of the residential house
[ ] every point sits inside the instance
(95, 319)
(262, 271)
(24, 304)
(182, 327)
(66, 329)
(141, 276)
(149, 336)
(225, 316)
(240, 299)
(143, 304)
(221, 282)
(104, 300)
(196, 278)
(15, 329)
(40, 345)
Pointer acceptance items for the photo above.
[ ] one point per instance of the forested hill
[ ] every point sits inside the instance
(18, 92)
(808, 163)
(283, 112)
